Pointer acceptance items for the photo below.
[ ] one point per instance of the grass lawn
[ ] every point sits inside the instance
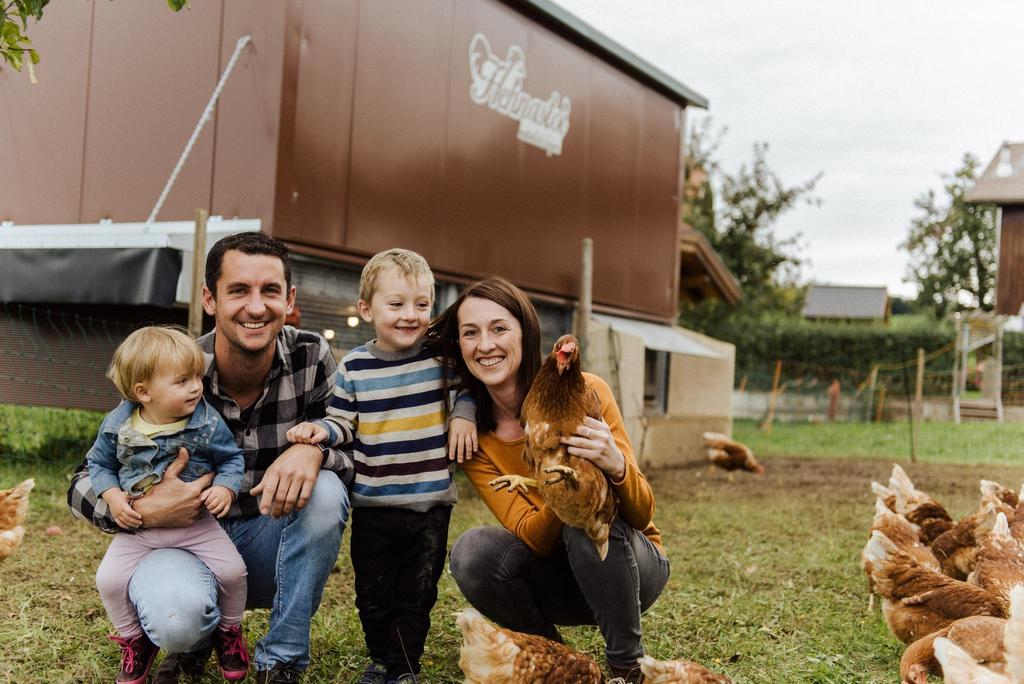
(939, 442)
(765, 580)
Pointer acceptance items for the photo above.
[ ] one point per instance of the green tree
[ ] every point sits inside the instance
(737, 213)
(952, 247)
(14, 44)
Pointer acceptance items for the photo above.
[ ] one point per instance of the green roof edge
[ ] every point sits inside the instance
(613, 51)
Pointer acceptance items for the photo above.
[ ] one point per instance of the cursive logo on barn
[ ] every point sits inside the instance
(498, 83)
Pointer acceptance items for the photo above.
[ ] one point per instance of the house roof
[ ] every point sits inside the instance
(611, 51)
(846, 301)
(1002, 182)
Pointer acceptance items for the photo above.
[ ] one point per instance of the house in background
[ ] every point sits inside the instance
(1002, 184)
(847, 304)
(491, 136)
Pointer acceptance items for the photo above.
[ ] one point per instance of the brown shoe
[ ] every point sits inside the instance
(629, 675)
(183, 668)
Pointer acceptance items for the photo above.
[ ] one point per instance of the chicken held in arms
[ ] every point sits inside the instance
(13, 508)
(576, 490)
(492, 655)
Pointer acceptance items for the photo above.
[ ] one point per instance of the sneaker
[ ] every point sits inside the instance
(232, 652)
(629, 675)
(407, 678)
(183, 668)
(375, 673)
(137, 656)
(279, 674)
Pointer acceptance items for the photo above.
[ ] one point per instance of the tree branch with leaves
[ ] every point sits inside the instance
(952, 247)
(15, 46)
(737, 213)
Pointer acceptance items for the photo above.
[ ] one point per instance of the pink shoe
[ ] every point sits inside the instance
(137, 656)
(232, 652)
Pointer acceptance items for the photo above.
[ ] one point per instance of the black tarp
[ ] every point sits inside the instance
(90, 276)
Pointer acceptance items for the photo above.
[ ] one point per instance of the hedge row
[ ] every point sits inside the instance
(835, 348)
(825, 350)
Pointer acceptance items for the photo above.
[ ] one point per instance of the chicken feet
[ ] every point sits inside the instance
(513, 483)
(563, 473)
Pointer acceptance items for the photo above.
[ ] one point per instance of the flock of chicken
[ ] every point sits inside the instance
(952, 591)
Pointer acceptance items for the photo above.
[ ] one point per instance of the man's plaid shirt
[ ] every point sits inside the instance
(297, 389)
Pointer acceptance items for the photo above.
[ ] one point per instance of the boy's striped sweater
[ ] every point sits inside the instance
(388, 407)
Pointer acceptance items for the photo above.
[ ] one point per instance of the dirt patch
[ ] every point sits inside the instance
(847, 478)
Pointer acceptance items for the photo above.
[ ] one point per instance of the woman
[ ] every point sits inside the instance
(534, 573)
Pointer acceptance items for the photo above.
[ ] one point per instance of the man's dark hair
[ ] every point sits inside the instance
(246, 243)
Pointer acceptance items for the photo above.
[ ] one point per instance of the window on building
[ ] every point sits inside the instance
(655, 382)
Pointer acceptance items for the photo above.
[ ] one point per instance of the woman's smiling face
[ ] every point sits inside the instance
(491, 340)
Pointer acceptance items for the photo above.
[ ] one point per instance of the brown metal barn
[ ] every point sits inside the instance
(491, 136)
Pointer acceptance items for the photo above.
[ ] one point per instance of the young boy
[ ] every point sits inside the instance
(389, 406)
(159, 373)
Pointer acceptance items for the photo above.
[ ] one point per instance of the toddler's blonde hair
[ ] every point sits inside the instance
(150, 350)
(409, 263)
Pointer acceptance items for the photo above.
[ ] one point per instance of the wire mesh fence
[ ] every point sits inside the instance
(792, 390)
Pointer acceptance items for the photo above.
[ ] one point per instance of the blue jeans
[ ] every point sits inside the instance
(289, 560)
(507, 582)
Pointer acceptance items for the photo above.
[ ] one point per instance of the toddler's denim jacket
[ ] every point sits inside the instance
(123, 457)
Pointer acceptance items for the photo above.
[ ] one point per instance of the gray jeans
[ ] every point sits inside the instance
(507, 582)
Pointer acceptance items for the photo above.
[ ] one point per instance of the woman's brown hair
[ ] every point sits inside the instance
(443, 340)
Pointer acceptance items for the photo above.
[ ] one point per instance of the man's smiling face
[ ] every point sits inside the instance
(251, 302)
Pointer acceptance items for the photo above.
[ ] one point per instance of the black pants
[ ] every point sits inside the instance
(518, 589)
(398, 556)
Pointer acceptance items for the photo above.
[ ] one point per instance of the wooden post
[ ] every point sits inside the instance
(834, 390)
(586, 294)
(195, 305)
(872, 381)
(767, 424)
(956, 369)
(918, 413)
(997, 372)
(881, 404)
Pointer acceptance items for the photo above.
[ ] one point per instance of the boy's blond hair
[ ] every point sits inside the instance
(409, 263)
(149, 350)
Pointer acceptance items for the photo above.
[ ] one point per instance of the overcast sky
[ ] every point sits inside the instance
(882, 97)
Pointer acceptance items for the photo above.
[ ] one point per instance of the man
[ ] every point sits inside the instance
(264, 378)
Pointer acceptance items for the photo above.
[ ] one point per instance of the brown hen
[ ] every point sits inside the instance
(957, 547)
(918, 601)
(961, 667)
(918, 507)
(981, 636)
(575, 489)
(903, 534)
(492, 655)
(1003, 498)
(13, 507)
(678, 672)
(999, 564)
(729, 454)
